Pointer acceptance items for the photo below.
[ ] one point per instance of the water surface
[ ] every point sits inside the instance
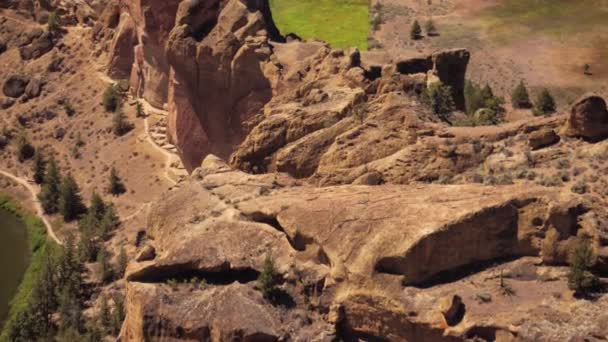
(14, 258)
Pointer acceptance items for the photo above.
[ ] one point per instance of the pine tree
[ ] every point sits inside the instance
(38, 167)
(105, 316)
(267, 278)
(70, 202)
(415, 30)
(49, 195)
(520, 97)
(25, 150)
(87, 247)
(97, 207)
(105, 271)
(109, 222)
(545, 104)
(116, 186)
(121, 262)
(44, 298)
(120, 125)
(118, 314)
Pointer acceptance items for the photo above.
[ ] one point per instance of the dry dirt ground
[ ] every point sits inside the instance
(510, 42)
(140, 164)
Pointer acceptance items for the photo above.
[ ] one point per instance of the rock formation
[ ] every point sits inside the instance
(588, 119)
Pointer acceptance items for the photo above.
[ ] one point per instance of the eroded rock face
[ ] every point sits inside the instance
(588, 119)
(348, 250)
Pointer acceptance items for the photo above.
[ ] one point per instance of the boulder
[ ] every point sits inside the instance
(38, 47)
(147, 253)
(588, 119)
(33, 88)
(15, 86)
(543, 138)
(6, 103)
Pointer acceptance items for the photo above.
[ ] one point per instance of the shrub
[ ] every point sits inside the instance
(439, 98)
(120, 124)
(520, 97)
(545, 104)
(477, 98)
(116, 186)
(415, 30)
(359, 113)
(111, 98)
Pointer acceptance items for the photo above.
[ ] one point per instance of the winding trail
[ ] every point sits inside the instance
(39, 211)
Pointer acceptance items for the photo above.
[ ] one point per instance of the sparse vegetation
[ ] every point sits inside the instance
(429, 28)
(359, 113)
(120, 124)
(53, 22)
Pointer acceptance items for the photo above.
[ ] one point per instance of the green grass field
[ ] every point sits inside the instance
(341, 23)
(558, 18)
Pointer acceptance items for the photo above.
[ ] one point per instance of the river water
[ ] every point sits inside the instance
(14, 258)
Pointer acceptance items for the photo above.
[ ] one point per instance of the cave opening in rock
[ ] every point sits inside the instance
(225, 276)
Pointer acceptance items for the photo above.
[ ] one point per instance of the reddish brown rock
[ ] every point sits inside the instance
(543, 138)
(588, 119)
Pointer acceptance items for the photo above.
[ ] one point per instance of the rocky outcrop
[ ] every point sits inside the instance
(122, 50)
(347, 250)
(543, 138)
(39, 45)
(588, 119)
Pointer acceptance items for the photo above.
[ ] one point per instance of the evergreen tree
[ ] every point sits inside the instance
(87, 247)
(116, 186)
(25, 150)
(440, 99)
(429, 28)
(109, 222)
(118, 314)
(97, 207)
(520, 97)
(580, 279)
(121, 262)
(545, 104)
(139, 110)
(49, 195)
(70, 202)
(105, 316)
(44, 298)
(38, 168)
(70, 310)
(415, 30)
(472, 97)
(267, 278)
(24, 327)
(93, 332)
(111, 98)
(120, 125)
(105, 271)
(53, 22)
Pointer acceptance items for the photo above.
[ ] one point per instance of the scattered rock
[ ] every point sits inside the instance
(15, 86)
(38, 47)
(59, 133)
(543, 138)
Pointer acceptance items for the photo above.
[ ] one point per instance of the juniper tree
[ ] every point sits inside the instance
(49, 194)
(25, 150)
(120, 124)
(121, 262)
(520, 97)
(580, 279)
(104, 268)
(109, 222)
(267, 278)
(545, 104)
(440, 99)
(111, 98)
(105, 316)
(70, 202)
(118, 314)
(116, 186)
(415, 30)
(429, 28)
(38, 167)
